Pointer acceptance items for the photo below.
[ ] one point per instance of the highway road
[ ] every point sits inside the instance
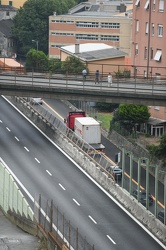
(44, 169)
(60, 109)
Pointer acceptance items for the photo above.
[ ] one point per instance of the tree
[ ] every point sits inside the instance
(106, 107)
(31, 22)
(129, 115)
(73, 64)
(159, 151)
(36, 60)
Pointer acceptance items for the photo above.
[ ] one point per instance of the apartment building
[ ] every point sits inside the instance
(107, 22)
(149, 38)
(156, 125)
(14, 3)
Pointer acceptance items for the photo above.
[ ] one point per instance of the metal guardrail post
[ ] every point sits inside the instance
(156, 189)
(165, 199)
(139, 177)
(131, 172)
(123, 165)
(147, 183)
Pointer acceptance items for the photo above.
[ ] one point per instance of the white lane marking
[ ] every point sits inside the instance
(26, 149)
(48, 172)
(8, 129)
(37, 160)
(92, 219)
(62, 186)
(0, 121)
(16, 138)
(76, 202)
(111, 239)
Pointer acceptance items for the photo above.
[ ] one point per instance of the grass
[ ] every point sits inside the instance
(105, 119)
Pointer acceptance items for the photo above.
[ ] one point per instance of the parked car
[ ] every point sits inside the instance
(116, 171)
(143, 197)
(36, 101)
(161, 216)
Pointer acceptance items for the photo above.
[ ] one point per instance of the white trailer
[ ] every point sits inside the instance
(90, 131)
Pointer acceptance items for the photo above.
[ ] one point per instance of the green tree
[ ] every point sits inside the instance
(73, 64)
(36, 60)
(106, 107)
(159, 151)
(31, 23)
(129, 115)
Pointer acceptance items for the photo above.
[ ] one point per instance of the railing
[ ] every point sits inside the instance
(120, 85)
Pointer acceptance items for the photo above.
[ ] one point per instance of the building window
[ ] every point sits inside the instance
(87, 24)
(137, 25)
(136, 49)
(152, 29)
(86, 37)
(161, 5)
(146, 28)
(145, 53)
(61, 34)
(146, 7)
(110, 25)
(10, 3)
(160, 30)
(154, 5)
(151, 53)
(109, 38)
(137, 3)
(158, 55)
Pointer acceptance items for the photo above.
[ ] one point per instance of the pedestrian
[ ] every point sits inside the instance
(97, 76)
(109, 80)
(84, 73)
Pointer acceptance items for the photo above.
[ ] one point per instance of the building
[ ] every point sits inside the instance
(106, 22)
(149, 38)
(14, 3)
(10, 64)
(96, 56)
(148, 50)
(156, 124)
(7, 42)
(7, 12)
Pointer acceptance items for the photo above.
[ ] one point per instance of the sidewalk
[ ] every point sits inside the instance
(12, 237)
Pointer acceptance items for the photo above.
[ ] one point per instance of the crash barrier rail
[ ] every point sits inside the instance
(46, 80)
(93, 169)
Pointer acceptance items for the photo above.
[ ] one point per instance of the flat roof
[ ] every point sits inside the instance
(86, 47)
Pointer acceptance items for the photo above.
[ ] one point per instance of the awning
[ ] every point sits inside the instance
(158, 55)
(155, 121)
(137, 3)
(146, 5)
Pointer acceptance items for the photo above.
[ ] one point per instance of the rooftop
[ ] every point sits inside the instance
(94, 51)
(5, 27)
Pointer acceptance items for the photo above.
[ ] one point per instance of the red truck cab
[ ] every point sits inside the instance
(71, 117)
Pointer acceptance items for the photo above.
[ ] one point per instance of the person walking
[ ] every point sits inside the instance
(84, 73)
(97, 76)
(109, 80)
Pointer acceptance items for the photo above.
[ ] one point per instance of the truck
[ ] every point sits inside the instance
(87, 128)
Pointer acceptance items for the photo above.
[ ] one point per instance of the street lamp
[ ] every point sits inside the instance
(36, 43)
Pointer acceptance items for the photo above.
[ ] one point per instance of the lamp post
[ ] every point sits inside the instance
(37, 43)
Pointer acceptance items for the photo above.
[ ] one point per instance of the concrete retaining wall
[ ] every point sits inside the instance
(92, 168)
